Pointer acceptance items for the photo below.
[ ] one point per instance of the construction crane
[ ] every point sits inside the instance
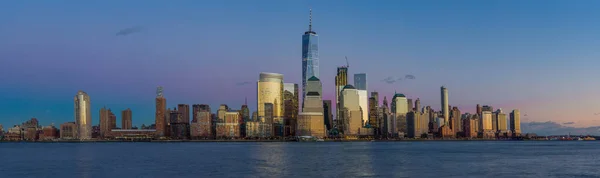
(347, 63)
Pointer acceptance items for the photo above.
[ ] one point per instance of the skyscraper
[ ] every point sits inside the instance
(417, 104)
(360, 81)
(350, 111)
(290, 102)
(444, 100)
(270, 90)
(376, 96)
(363, 100)
(341, 80)
(161, 113)
(515, 122)
(184, 109)
(105, 121)
(311, 120)
(399, 110)
(126, 119)
(310, 56)
(327, 114)
(83, 115)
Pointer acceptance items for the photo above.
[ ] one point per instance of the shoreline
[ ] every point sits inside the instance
(258, 141)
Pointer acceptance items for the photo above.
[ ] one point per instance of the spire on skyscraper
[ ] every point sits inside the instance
(310, 20)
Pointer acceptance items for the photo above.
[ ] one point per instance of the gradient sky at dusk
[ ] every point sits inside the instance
(540, 56)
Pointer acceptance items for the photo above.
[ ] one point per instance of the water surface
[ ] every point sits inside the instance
(317, 159)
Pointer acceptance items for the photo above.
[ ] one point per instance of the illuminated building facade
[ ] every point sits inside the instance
(83, 115)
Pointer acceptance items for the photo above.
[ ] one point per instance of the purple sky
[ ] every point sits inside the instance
(538, 56)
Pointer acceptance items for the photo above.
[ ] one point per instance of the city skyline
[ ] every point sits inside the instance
(123, 71)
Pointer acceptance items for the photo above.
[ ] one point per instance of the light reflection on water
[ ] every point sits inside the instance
(324, 159)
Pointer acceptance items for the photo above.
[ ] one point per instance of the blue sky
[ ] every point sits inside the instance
(538, 56)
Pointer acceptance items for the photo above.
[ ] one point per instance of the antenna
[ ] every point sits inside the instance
(347, 63)
(310, 20)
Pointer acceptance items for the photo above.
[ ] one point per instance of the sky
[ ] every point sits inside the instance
(536, 56)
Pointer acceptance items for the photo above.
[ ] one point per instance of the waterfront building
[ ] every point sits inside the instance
(416, 124)
(445, 107)
(456, 120)
(399, 110)
(479, 109)
(1, 129)
(327, 114)
(83, 115)
(184, 109)
(49, 133)
(373, 119)
(486, 125)
(105, 121)
(351, 116)
(270, 91)
(126, 120)
(201, 126)
(502, 124)
(446, 132)
(310, 124)
(68, 131)
(179, 127)
(310, 56)
(311, 121)
(290, 102)
(30, 134)
(469, 127)
(161, 114)
(363, 101)
(197, 108)
(230, 126)
(515, 122)
(360, 81)
(495, 121)
(341, 80)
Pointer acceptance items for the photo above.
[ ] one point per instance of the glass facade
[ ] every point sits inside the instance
(310, 58)
(270, 90)
(360, 81)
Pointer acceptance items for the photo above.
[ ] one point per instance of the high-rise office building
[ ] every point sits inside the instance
(444, 107)
(184, 109)
(486, 124)
(363, 100)
(360, 81)
(270, 90)
(373, 119)
(515, 122)
(179, 128)
(502, 124)
(311, 119)
(350, 115)
(290, 102)
(310, 56)
(399, 110)
(456, 120)
(201, 126)
(418, 104)
(341, 80)
(479, 109)
(417, 124)
(196, 108)
(327, 114)
(83, 115)
(376, 96)
(160, 117)
(104, 121)
(126, 120)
